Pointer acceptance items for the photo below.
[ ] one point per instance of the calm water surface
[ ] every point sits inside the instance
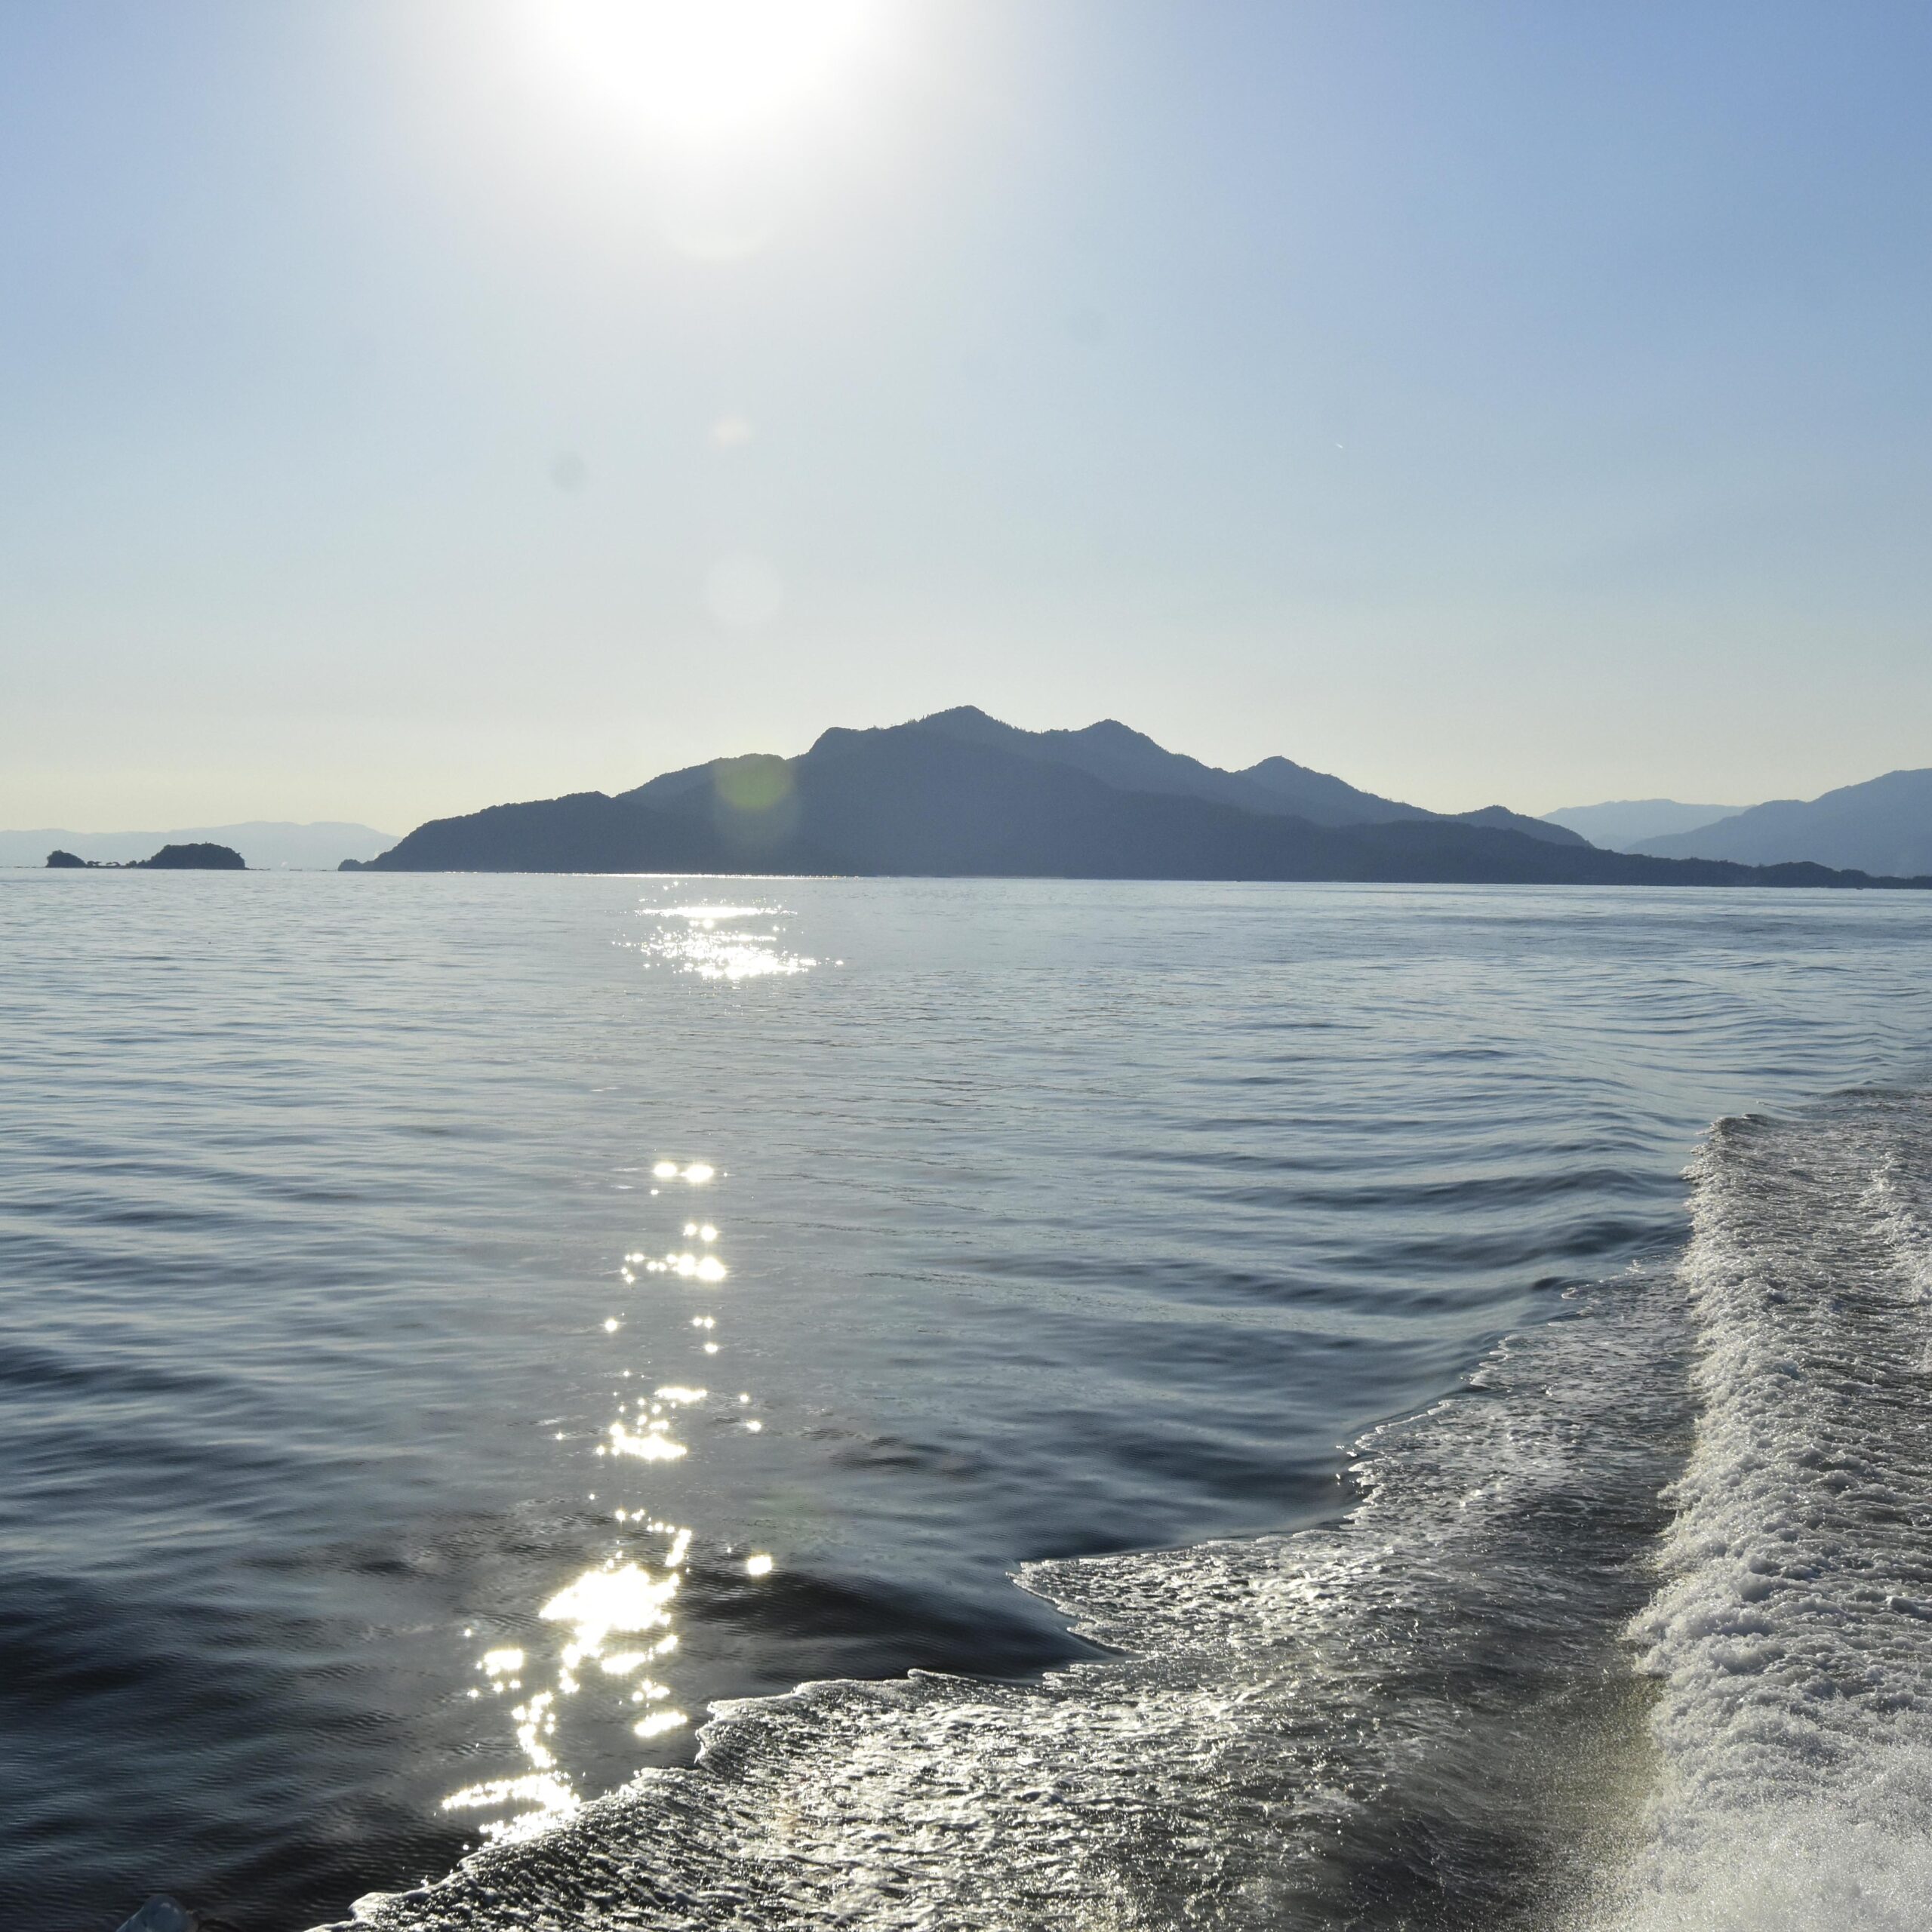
(453, 1330)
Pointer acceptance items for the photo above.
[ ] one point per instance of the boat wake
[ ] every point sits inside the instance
(1793, 1634)
(1634, 1631)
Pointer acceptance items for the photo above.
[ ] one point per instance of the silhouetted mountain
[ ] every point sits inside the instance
(953, 797)
(1623, 825)
(1130, 761)
(1322, 800)
(1884, 825)
(1500, 818)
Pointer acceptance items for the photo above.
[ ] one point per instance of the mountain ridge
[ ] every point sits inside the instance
(960, 794)
(1621, 825)
(1880, 824)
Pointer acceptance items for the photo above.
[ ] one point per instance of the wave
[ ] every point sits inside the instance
(1315, 1729)
(1792, 1636)
(1632, 1633)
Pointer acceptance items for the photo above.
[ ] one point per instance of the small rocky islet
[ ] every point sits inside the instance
(203, 857)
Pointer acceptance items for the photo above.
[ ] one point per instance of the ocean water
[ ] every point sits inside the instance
(1246, 1406)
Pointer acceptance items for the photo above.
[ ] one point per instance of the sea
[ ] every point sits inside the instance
(542, 1402)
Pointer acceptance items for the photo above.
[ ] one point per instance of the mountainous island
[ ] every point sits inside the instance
(194, 858)
(960, 794)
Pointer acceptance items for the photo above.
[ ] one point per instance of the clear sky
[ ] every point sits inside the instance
(410, 404)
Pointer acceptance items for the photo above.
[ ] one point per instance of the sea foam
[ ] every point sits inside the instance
(1375, 1723)
(1792, 1635)
(1634, 1632)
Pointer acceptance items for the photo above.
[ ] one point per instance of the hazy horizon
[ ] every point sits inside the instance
(411, 407)
(157, 827)
(237, 825)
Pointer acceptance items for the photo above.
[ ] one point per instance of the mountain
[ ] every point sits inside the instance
(1500, 818)
(268, 845)
(1884, 825)
(1320, 799)
(1622, 826)
(949, 797)
(1129, 761)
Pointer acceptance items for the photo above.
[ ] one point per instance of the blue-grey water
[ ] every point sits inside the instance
(455, 1331)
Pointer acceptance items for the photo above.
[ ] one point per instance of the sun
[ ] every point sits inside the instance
(706, 71)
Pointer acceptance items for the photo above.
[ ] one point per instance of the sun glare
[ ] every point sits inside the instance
(707, 70)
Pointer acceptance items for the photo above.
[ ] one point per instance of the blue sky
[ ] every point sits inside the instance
(1486, 402)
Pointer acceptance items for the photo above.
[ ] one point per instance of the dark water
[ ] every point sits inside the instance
(386, 1440)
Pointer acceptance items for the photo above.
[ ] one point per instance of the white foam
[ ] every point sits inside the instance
(1792, 1635)
(1338, 1728)
(1530, 1680)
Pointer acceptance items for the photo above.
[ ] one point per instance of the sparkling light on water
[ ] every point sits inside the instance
(603, 1611)
(715, 942)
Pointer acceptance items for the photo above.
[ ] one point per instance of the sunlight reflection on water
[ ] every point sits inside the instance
(623, 1598)
(632, 1593)
(712, 942)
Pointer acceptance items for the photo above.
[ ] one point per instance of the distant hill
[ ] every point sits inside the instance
(1500, 818)
(199, 857)
(1884, 825)
(960, 794)
(202, 856)
(267, 845)
(1623, 825)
